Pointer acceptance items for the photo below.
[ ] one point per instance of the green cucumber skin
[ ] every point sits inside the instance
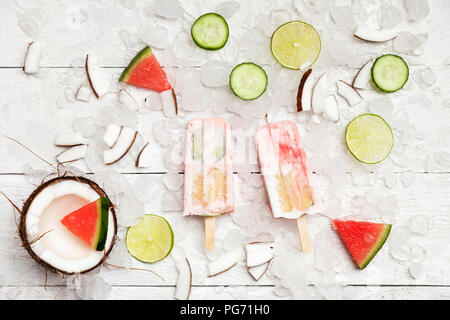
(143, 52)
(203, 46)
(231, 76)
(373, 76)
(377, 247)
(104, 216)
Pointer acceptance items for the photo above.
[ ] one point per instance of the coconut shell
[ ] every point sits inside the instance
(22, 223)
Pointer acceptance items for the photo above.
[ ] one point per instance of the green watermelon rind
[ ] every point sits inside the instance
(378, 245)
(144, 53)
(103, 208)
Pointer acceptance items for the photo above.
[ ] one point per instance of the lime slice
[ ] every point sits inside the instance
(369, 138)
(295, 44)
(151, 240)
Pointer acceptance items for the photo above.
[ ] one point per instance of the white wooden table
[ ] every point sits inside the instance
(30, 114)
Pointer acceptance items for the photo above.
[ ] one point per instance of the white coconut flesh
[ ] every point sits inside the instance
(59, 247)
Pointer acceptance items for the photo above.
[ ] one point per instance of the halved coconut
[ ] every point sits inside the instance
(47, 240)
(72, 154)
(144, 158)
(97, 80)
(169, 102)
(374, 35)
(121, 146)
(32, 58)
(348, 93)
(363, 77)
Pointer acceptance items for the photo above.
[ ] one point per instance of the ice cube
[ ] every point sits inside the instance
(153, 101)
(173, 181)
(129, 209)
(182, 45)
(390, 179)
(406, 42)
(417, 271)
(129, 4)
(215, 253)
(420, 224)
(400, 253)
(119, 256)
(227, 8)
(343, 17)
(215, 74)
(93, 287)
(446, 103)
(86, 126)
(360, 176)
(358, 201)
(161, 134)
(388, 16)
(428, 76)
(383, 107)
(407, 178)
(169, 9)
(233, 239)
(417, 9)
(400, 236)
(324, 251)
(417, 254)
(156, 36)
(171, 202)
(280, 16)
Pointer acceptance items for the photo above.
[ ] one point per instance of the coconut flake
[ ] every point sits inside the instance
(32, 58)
(72, 154)
(121, 147)
(348, 93)
(127, 99)
(331, 109)
(258, 271)
(374, 35)
(306, 91)
(362, 78)
(224, 263)
(97, 80)
(169, 102)
(259, 253)
(68, 139)
(184, 280)
(111, 134)
(144, 158)
(301, 88)
(318, 94)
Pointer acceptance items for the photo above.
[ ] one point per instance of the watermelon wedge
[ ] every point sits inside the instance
(90, 223)
(363, 239)
(144, 71)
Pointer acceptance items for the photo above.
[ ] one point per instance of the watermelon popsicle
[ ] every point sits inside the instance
(208, 176)
(284, 167)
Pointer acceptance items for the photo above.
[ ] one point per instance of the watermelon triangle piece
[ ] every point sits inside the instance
(90, 223)
(145, 71)
(363, 239)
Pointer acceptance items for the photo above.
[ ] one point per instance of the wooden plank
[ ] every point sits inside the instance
(225, 293)
(423, 197)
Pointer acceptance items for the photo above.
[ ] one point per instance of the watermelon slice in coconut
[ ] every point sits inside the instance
(363, 239)
(144, 71)
(90, 223)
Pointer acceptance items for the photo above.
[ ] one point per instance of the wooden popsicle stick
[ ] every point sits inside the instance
(302, 224)
(209, 233)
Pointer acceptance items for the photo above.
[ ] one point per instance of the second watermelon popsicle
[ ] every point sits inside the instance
(208, 186)
(284, 167)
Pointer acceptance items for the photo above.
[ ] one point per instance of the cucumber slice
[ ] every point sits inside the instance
(390, 73)
(248, 81)
(210, 31)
